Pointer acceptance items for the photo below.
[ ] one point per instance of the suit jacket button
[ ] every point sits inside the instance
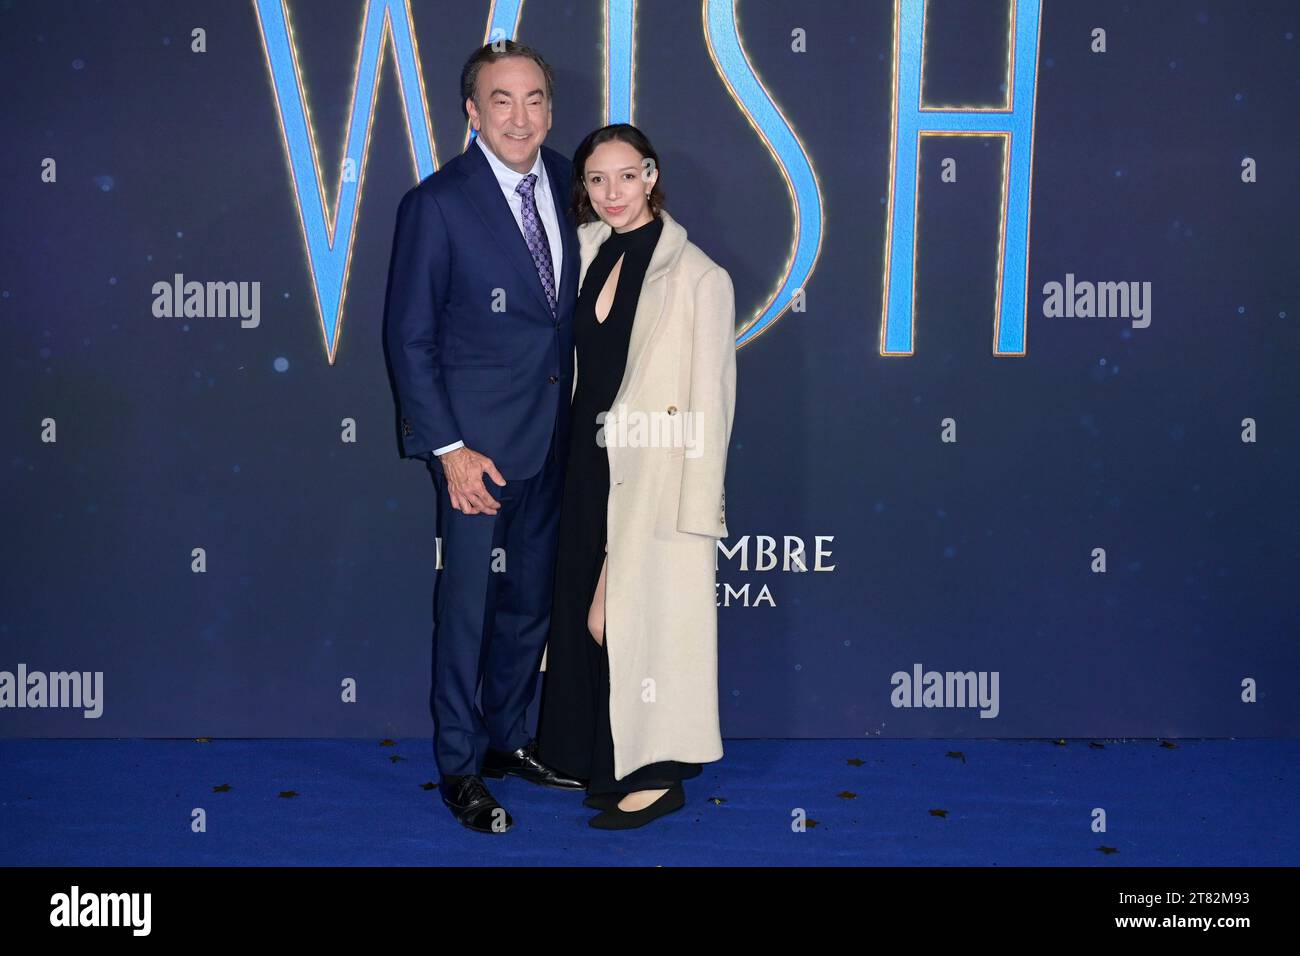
(552, 379)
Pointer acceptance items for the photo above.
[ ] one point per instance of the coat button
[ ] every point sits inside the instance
(552, 379)
(672, 409)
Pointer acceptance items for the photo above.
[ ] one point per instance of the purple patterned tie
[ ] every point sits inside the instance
(535, 235)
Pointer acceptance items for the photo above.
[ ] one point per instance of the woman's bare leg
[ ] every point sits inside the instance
(596, 613)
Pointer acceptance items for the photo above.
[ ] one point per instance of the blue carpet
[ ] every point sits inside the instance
(1007, 803)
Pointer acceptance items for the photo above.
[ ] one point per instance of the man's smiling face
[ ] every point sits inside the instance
(513, 110)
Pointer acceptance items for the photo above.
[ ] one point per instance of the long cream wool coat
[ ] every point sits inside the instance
(667, 504)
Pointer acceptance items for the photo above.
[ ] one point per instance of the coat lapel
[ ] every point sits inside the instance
(485, 193)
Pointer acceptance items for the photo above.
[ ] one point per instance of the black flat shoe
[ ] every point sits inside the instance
(473, 805)
(603, 801)
(617, 819)
(523, 763)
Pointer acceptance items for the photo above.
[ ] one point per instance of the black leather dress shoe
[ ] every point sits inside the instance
(617, 819)
(524, 763)
(470, 801)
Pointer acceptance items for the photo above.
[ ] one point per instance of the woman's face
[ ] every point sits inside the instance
(618, 179)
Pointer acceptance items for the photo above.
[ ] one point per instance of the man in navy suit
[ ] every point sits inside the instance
(478, 331)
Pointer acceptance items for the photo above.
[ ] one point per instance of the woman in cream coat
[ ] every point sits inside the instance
(666, 435)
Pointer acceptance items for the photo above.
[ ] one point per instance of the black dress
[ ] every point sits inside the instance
(573, 725)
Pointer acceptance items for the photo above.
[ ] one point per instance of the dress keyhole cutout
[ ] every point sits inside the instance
(605, 301)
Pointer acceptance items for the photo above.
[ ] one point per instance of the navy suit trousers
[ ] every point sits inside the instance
(490, 626)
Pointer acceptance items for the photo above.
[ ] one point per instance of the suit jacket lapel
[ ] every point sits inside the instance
(485, 193)
(568, 238)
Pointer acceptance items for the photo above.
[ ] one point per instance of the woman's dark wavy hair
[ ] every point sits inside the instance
(580, 205)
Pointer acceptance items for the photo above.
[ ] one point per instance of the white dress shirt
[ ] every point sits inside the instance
(509, 180)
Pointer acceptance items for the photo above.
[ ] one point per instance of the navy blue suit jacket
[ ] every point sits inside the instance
(472, 349)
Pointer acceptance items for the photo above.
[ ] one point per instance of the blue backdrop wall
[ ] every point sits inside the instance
(1094, 516)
